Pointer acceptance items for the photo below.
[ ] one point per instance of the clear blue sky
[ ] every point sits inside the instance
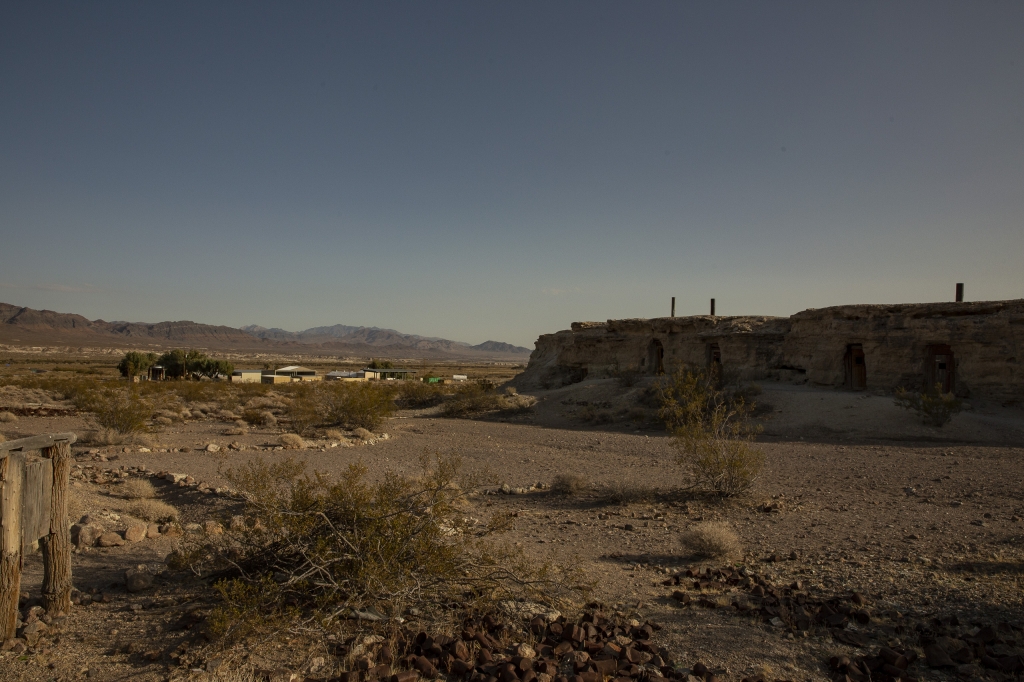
(491, 170)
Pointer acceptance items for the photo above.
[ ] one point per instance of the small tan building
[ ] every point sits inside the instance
(247, 376)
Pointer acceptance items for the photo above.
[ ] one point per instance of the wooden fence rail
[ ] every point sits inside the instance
(34, 475)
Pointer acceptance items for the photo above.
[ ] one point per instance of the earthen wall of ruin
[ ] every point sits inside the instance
(986, 338)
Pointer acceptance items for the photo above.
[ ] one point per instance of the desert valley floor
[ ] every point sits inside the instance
(916, 531)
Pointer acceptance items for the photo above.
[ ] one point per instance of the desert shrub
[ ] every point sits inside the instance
(338, 403)
(362, 434)
(711, 433)
(291, 441)
(234, 430)
(3, 438)
(603, 417)
(227, 415)
(419, 394)
(568, 485)
(587, 414)
(334, 434)
(480, 397)
(255, 416)
(933, 407)
(319, 550)
(621, 492)
(712, 540)
(8, 417)
(102, 437)
(123, 411)
(154, 511)
(138, 489)
(513, 403)
(360, 404)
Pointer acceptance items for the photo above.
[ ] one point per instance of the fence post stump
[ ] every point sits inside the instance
(57, 545)
(11, 478)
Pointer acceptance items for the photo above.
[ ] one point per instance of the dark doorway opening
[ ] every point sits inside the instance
(714, 360)
(856, 368)
(714, 355)
(941, 369)
(656, 357)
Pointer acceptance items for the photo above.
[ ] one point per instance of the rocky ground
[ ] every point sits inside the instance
(861, 547)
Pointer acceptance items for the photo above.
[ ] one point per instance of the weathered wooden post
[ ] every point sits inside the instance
(56, 545)
(11, 478)
(959, 292)
(673, 306)
(34, 476)
(712, 307)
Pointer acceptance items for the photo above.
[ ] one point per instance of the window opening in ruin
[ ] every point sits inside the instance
(714, 360)
(941, 368)
(856, 367)
(714, 354)
(655, 357)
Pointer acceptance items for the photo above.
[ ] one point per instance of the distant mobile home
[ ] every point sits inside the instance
(285, 375)
(345, 376)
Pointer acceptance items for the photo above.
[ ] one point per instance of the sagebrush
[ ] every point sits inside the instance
(340, 403)
(121, 410)
(934, 406)
(711, 432)
(318, 551)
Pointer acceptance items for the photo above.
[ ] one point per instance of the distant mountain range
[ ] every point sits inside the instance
(26, 326)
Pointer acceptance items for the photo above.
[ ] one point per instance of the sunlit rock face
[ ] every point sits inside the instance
(974, 349)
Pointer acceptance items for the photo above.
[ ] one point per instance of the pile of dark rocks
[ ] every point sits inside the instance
(596, 647)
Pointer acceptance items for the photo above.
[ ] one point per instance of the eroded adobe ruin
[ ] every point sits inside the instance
(974, 349)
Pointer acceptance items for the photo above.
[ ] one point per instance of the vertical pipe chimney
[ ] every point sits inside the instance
(959, 292)
(712, 307)
(673, 306)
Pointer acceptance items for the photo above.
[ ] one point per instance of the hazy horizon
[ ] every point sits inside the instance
(497, 171)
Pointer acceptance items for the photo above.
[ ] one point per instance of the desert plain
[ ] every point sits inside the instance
(867, 536)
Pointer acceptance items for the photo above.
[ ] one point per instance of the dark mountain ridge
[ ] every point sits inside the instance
(46, 327)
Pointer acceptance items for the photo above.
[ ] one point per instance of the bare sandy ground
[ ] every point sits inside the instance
(920, 520)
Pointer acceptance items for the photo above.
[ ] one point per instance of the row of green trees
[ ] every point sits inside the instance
(177, 364)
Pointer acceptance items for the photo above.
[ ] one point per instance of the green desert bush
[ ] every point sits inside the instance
(121, 410)
(318, 551)
(418, 394)
(933, 406)
(340, 403)
(711, 432)
(481, 397)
